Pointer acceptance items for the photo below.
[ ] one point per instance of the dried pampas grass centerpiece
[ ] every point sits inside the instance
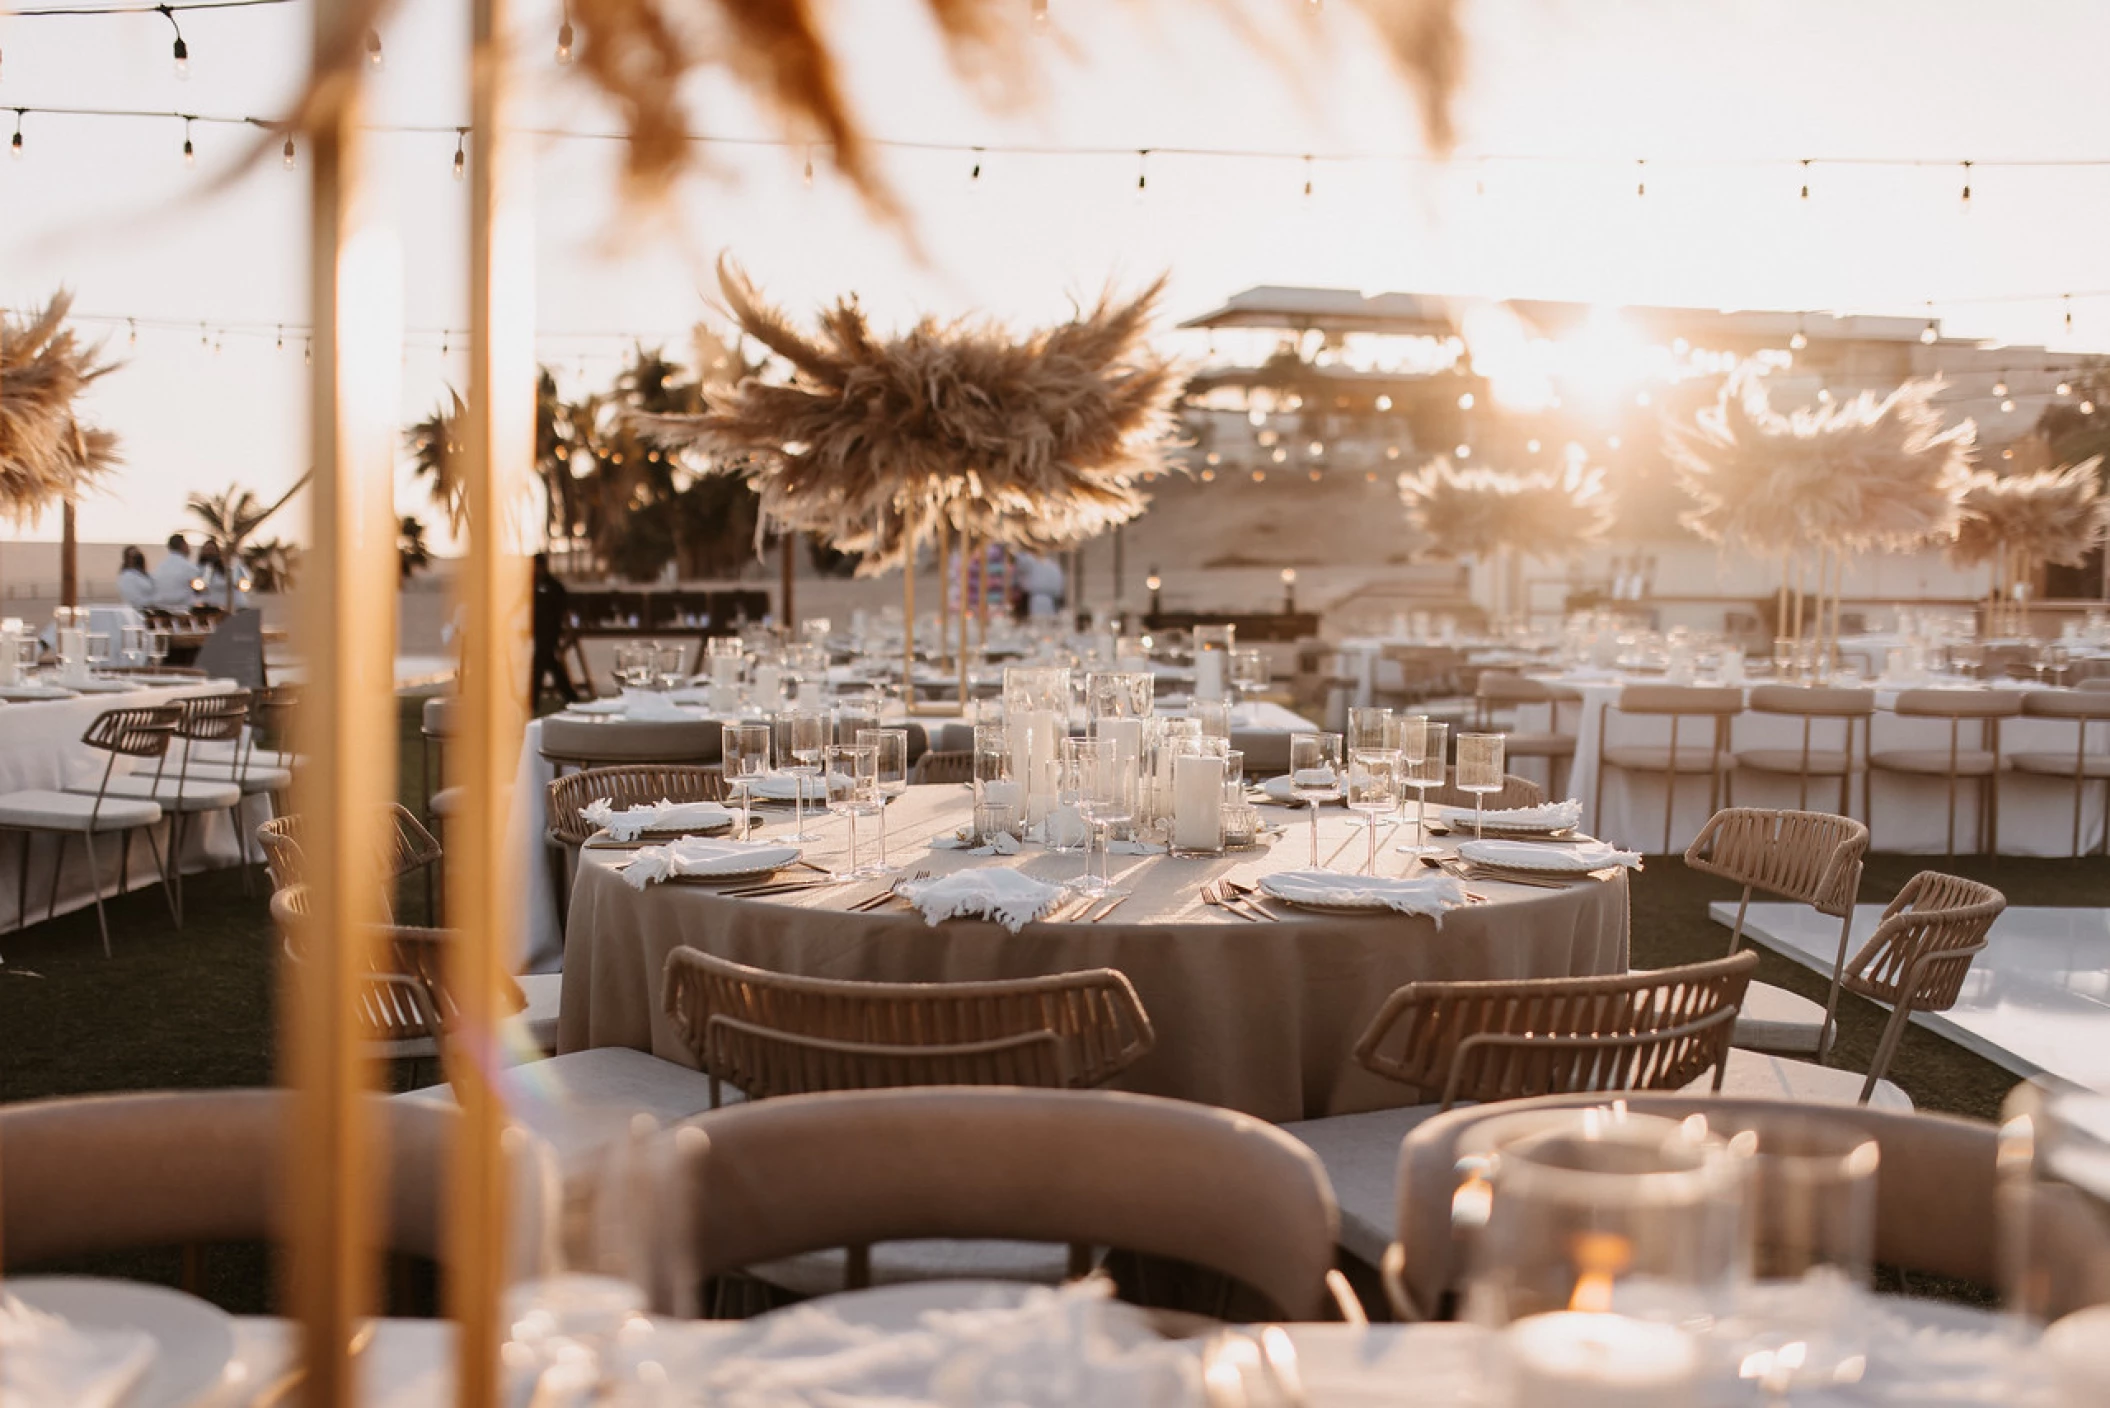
(46, 455)
(2020, 522)
(1483, 512)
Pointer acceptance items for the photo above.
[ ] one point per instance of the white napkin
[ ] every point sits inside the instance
(44, 1359)
(1429, 894)
(1001, 844)
(1053, 1346)
(1526, 855)
(698, 856)
(663, 815)
(785, 787)
(1551, 816)
(1134, 848)
(1281, 789)
(1011, 899)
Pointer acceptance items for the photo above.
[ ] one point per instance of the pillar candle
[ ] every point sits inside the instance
(1126, 735)
(1583, 1359)
(1197, 804)
(769, 685)
(1033, 743)
(1209, 674)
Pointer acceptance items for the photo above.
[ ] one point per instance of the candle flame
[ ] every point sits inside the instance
(1601, 1257)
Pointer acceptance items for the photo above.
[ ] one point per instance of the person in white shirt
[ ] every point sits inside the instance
(173, 576)
(134, 583)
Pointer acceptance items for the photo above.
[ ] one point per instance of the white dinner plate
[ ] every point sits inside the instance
(782, 787)
(194, 1339)
(1522, 855)
(1348, 903)
(731, 862)
(1463, 823)
(94, 686)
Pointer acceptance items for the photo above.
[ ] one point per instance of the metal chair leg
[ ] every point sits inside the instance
(174, 874)
(1830, 1029)
(1893, 1033)
(58, 868)
(167, 892)
(95, 881)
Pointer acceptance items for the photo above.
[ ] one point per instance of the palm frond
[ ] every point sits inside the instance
(46, 455)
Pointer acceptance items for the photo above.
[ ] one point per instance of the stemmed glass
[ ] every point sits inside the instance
(98, 650)
(669, 659)
(1423, 747)
(1249, 674)
(855, 714)
(801, 734)
(852, 782)
(157, 647)
(1479, 770)
(1373, 790)
(890, 776)
(1314, 775)
(1369, 729)
(132, 644)
(746, 757)
(1108, 794)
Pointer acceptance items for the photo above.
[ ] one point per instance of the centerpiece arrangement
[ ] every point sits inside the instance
(1500, 516)
(2019, 523)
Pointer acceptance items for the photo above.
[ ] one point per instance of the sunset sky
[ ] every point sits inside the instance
(1721, 97)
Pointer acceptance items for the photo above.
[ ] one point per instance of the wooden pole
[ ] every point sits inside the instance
(346, 728)
(786, 570)
(1780, 612)
(908, 621)
(944, 586)
(69, 557)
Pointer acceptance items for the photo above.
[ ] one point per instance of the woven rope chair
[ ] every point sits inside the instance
(778, 1034)
(1810, 857)
(1919, 954)
(410, 847)
(1506, 1040)
(943, 765)
(623, 785)
(1516, 792)
(397, 1016)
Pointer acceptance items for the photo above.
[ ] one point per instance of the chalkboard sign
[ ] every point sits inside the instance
(235, 649)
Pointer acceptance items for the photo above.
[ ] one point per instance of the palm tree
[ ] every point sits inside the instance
(272, 564)
(412, 555)
(231, 517)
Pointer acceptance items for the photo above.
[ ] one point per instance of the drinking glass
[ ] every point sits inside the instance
(1251, 677)
(890, 776)
(854, 714)
(1066, 829)
(992, 766)
(801, 734)
(1479, 770)
(1369, 729)
(1109, 797)
(1422, 769)
(994, 819)
(2053, 1200)
(745, 751)
(1118, 694)
(1214, 715)
(851, 780)
(98, 649)
(668, 660)
(1314, 775)
(132, 644)
(157, 647)
(1810, 1217)
(1373, 790)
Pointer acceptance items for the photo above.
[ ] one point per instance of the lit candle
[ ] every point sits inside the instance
(1587, 1359)
(1197, 804)
(2078, 1348)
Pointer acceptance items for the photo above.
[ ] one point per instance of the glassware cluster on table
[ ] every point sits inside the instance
(79, 652)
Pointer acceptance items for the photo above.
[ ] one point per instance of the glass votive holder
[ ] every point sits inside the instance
(994, 819)
(1214, 716)
(1234, 774)
(1241, 825)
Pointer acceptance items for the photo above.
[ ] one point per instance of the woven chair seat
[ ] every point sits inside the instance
(2060, 764)
(1774, 1019)
(70, 811)
(1970, 762)
(1647, 758)
(1752, 1076)
(1823, 762)
(198, 795)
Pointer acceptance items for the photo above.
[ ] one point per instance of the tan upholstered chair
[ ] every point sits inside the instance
(635, 784)
(569, 742)
(941, 765)
(1811, 857)
(1159, 1177)
(1917, 958)
(193, 1168)
(770, 1034)
(1509, 1040)
(1935, 1191)
(1813, 756)
(1516, 792)
(1500, 690)
(2083, 707)
(142, 734)
(1710, 707)
(1955, 762)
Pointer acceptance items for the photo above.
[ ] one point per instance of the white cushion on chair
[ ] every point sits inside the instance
(1752, 1076)
(1361, 1154)
(69, 811)
(199, 794)
(539, 1017)
(1774, 1019)
(257, 777)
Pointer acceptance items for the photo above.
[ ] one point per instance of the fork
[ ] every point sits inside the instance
(892, 892)
(1214, 893)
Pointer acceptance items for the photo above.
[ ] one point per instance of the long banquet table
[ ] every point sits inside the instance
(41, 748)
(1255, 1017)
(1910, 813)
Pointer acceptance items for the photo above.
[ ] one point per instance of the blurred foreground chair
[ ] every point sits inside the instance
(572, 742)
(1935, 1191)
(1811, 857)
(1166, 1178)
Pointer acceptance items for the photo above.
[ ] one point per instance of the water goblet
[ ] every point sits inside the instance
(746, 758)
(851, 782)
(890, 764)
(1315, 775)
(801, 734)
(1479, 770)
(1422, 768)
(1373, 790)
(1369, 728)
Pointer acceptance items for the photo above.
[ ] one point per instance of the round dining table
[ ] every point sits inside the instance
(1258, 1016)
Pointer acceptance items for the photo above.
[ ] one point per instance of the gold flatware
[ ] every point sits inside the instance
(1111, 905)
(1215, 893)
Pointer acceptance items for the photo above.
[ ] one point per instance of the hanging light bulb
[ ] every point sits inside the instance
(286, 154)
(1392, 452)
(461, 158)
(808, 177)
(204, 338)
(1967, 188)
(1256, 416)
(2069, 313)
(1531, 447)
(1307, 176)
(1465, 401)
(1213, 458)
(1142, 172)
(1315, 449)
(1279, 455)
(281, 338)
(373, 47)
(1040, 16)
(564, 41)
(1641, 177)
(2087, 408)
(1801, 339)
(14, 146)
(1805, 178)
(181, 51)
(190, 153)
(1260, 476)
(1463, 452)
(1928, 334)
(2064, 389)
(132, 335)
(1208, 476)
(1824, 395)
(2007, 405)
(974, 174)
(2000, 386)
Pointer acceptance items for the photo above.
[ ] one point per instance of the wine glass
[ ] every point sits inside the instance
(745, 757)
(1423, 748)
(1373, 790)
(98, 650)
(1108, 793)
(1250, 675)
(132, 644)
(855, 714)
(890, 776)
(1314, 775)
(800, 736)
(157, 647)
(1479, 770)
(1369, 729)
(669, 659)
(851, 780)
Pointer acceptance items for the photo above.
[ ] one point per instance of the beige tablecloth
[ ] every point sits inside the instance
(1256, 1017)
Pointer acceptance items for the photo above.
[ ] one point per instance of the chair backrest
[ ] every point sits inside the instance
(212, 718)
(944, 765)
(1516, 792)
(142, 732)
(1690, 700)
(174, 1168)
(637, 784)
(1506, 1039)
(771, 1034)
(1934, 1186)
(395, 1002)
(1814, 857)
(1160, 1177)
(410, 846)
(1819, 701)
(1923, 947)
(596, 741)
(2081, 703)
(1508, 687)
(1959, 703)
